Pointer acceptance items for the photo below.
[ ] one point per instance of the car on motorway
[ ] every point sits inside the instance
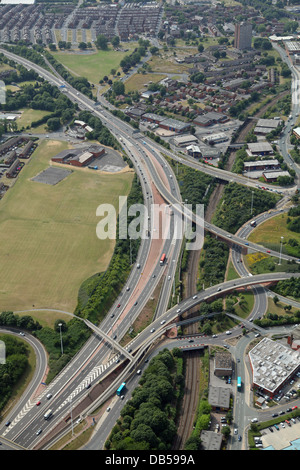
(235, 431)
(268, 251)
(119, 305)
(38, 403)
(178, 310)
(152, 330)
(108, 409)
(21, 333)
(162, 322)
(239, 438)
(195, 297)
(247, 244)
(38, 432)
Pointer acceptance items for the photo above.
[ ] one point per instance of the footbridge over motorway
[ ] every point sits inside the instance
(107, 338)
(247, 323)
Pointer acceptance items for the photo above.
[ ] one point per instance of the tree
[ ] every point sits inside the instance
(53, 124)
(118, 87)
(101, 42)
(115, 41)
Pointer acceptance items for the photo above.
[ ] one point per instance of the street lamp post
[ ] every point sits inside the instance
(281, 238)
(61, 343)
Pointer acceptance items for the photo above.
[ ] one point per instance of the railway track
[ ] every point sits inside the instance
(190, 399)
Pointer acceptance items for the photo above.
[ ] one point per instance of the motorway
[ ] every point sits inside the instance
(155, 173)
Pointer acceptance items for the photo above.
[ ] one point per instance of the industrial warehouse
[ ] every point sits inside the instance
(79, 157)
(273, 365)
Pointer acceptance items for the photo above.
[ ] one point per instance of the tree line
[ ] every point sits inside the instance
(148, 419)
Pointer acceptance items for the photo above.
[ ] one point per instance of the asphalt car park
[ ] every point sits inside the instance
(282, 436)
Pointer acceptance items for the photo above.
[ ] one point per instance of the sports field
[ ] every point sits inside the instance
(93, 65)
(48, 233)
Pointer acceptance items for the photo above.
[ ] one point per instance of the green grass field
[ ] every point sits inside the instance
(271, 231)
(48, 233)
(94, 66)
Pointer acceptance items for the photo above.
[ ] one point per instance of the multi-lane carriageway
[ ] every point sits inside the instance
(121, 129)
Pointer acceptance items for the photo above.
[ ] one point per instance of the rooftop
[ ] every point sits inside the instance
(272, 363)
(260, 147)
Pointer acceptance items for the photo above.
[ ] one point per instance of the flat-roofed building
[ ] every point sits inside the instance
(243, 36)
(273, 364)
